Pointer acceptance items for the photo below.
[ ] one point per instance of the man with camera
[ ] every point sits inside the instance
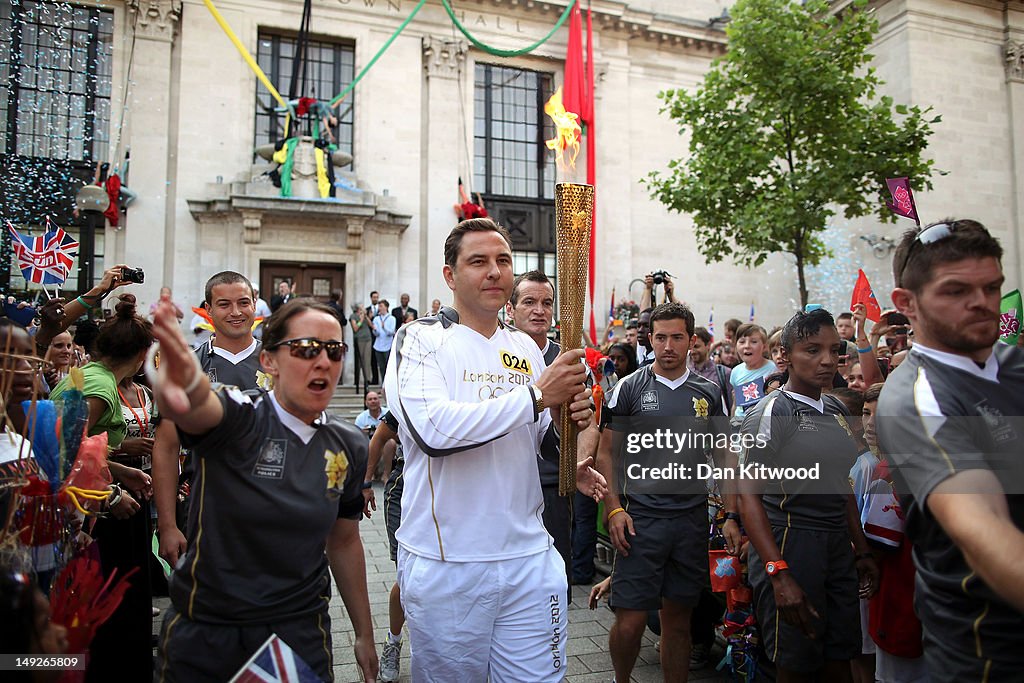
(652, 280)
(949, 422)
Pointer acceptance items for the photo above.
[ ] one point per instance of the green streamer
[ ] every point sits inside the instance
(380, 52)
(506, 53)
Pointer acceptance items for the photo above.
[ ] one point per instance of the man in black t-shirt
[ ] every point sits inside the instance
(949, 421)
(659, 526)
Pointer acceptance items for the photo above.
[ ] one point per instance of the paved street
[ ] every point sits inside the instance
(589, 661)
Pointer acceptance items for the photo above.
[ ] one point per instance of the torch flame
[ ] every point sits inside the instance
(567, 131)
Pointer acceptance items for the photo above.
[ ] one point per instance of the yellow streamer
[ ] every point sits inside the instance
(73, 493)
(245, 54)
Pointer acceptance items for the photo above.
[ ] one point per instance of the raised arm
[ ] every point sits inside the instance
(57, 315)
(181, 388)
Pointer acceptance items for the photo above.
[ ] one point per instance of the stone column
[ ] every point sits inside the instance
(1014, 56)
(443, 65)
(145, 240)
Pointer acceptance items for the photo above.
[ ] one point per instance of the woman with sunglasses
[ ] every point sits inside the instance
(277, 482)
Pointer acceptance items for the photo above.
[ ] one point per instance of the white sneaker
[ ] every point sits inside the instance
(390, 661)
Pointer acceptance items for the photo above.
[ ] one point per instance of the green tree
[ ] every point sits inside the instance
(786, 127)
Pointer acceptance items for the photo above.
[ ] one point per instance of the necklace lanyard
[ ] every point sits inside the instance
(143, 423)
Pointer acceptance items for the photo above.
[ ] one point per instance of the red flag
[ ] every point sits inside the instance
(902, 203)
(574, 90)
(863, 294)
(587, 116)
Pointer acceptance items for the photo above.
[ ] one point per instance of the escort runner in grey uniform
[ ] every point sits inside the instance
(936, 420)
(244, 374)
(668, 556)
(252, 472)
(809, 523)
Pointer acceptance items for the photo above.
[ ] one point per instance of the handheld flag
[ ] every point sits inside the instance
(902, 203)
(1010, 317)
(46, 259)
(711, 323)
(751, 312)
(275, 662)
(863, 294)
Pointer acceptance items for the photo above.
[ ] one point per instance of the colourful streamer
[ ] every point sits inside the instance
(245, 54)
(506, 53)
(344, 93)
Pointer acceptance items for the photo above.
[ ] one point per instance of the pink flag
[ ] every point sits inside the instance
(902, 203)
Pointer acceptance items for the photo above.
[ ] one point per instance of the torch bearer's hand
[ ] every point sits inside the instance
(581, 410)
(564, 379)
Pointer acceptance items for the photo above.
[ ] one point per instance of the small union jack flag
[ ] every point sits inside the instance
(47, 259)
(275, 662)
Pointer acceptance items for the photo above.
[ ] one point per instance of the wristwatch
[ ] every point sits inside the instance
(538, 400)
(367, 485)
(773, 568)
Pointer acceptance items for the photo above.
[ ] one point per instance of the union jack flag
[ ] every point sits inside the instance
(275, 662)
(47, 259)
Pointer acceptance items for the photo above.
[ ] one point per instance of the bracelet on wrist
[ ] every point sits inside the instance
(82, 301)
(615, 512)
(367, 485)
(735, 516)
(866, 349)
(115, 497)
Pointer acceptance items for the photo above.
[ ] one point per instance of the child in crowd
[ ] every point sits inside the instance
(25, 626)
(747, 379)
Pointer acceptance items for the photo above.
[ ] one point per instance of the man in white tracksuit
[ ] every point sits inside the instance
(483, 588)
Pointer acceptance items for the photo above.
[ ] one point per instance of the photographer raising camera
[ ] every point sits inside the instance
(652, 280)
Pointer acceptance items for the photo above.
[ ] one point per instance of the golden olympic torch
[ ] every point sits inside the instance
(574, 216)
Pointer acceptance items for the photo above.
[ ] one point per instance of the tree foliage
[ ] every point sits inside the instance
(786, 127)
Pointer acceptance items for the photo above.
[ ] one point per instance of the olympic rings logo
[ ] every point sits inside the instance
(488, 392)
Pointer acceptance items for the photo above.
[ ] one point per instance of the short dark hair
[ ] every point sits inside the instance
(803, 325)
(374, 292)
(227, 277)
(733, 324)
(673, 311)
(851, 398)
(453, 244)
(703, 334)
(872, 393)
(749, 330)
(845, 315)
(387, 304)
(912, 263)
(275, 329)
(780, 377)
(531, 276)
(126, 334)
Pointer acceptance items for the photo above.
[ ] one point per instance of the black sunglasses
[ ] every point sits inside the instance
(930, 235)
(309, 348)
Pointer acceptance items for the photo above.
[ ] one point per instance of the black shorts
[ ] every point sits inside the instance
(393, 504)
(193, 651)
(668, 558)
(822, 563)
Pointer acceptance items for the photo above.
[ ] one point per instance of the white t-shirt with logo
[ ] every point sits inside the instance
(470, 437)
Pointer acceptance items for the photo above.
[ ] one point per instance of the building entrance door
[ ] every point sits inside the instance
(315, 280)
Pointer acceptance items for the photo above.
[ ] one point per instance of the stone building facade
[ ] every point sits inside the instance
(415, 124)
